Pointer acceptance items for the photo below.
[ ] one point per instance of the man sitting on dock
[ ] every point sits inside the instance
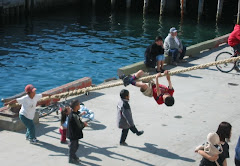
(161, 93)
(174, 47)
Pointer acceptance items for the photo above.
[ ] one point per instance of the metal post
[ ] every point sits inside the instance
(238, 14)
(200, 8)
(219, 9)
(162, 6)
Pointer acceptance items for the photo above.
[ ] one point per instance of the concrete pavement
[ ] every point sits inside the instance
(204, 98)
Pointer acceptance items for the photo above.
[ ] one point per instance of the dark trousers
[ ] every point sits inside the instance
(237, 162)
(174, 54)
(125, 133)
(237, 48)
(73, 147)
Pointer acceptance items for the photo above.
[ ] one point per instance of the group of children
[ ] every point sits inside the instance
(214, 151)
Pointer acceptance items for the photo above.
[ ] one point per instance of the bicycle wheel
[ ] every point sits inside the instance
(237, 66)
(225, 67)
(47, 111)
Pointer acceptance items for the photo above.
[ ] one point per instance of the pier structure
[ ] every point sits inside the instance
(162, 7)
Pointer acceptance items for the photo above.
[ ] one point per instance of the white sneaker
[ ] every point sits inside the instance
(33, 141)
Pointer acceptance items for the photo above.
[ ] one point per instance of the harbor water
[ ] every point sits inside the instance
(55, 48)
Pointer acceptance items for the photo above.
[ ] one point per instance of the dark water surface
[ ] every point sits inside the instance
(56, 48)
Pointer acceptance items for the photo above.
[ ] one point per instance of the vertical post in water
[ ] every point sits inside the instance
(162, 6)
(93, 3)
(219, 9)
(183, 6)
(145, 7)
(200, 8)
(128, 4)
(238, 14)
(113, 2)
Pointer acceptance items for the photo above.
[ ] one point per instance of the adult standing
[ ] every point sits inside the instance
(173, 47)
(125, 120)
(237, 155)
(28, 109)
(224, 132)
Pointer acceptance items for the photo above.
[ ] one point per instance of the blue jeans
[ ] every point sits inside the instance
(174, 54)
(30, 134)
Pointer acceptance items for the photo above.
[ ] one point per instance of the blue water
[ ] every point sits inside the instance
(51, 50)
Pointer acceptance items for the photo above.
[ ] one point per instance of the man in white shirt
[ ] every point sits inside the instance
(27, 111)
(173, 47)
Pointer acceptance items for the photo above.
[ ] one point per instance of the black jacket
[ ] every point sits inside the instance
(75, 126)
(151, 53)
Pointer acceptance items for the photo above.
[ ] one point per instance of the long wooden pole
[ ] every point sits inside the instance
(238, 14)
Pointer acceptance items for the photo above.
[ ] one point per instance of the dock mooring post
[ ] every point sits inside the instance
(200, 8)
(113, 2)
(183, 6)
(145, 6)
(162, 6)
(219, 9)
(238, 14)
(128, 4)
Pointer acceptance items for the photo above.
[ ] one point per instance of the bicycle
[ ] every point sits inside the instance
(56, 107)
(228, 67)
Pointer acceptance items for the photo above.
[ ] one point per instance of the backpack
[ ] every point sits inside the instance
(149, 60)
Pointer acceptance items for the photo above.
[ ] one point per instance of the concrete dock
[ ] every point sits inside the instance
(204, 98)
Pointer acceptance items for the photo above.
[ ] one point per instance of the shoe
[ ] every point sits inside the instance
(158, 71)
(63, 142)
(33, 141)
(126, 80)
(73, 161)
(174, 63)
(162, 70)
(122, 76)
(123, 144)
(182, 61)
(77, 159)
(140, 133)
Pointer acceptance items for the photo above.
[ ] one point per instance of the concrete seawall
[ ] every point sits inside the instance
(191, 52)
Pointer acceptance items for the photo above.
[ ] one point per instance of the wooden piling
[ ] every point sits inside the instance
(219, 9)
(113, 3)
(238, 14)
(128, 4)
(162, 6)
(200, 8)
(183, 6)
(145, 6)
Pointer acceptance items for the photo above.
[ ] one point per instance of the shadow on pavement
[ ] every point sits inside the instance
(88, 149)
(95, 125)
(152, 148)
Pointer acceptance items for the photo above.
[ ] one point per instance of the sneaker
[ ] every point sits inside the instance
(123, 144)
(73, 161)
(77, 159)
(63, 142)
(126, 80)
(182, 61)
(158, 71)
(140, 133)
(174, 63)
(162, 70)
(122, 76)
(33, 141)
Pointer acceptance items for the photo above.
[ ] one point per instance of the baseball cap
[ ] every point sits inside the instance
(173, 29)
(30, 88)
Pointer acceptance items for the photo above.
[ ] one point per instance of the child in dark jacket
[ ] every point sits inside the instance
(74, 131)
(125, 120)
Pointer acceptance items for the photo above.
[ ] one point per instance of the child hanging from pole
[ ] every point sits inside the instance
(159, 92)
